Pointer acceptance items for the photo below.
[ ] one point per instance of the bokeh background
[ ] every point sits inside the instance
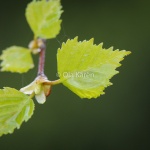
(117, 120)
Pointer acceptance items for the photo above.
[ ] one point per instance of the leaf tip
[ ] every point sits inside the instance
(76, 38)
(128, 52)
(91, 40)
(101, 45)
(111, 48)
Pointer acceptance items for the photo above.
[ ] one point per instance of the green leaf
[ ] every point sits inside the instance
(86, 68)
(43, 18)
(15, 107)
(16, 59)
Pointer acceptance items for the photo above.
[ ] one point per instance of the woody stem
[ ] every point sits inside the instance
(42, 58)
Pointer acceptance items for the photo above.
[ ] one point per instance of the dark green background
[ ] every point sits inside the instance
(117, 120)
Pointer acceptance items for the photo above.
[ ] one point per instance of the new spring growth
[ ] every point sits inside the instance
(40, 88)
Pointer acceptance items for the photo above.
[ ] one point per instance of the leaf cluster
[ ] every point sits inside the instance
(83, 67)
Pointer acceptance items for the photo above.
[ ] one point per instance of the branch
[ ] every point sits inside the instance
(42, 46)
(39, 46)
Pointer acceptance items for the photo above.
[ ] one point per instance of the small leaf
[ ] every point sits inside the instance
(86, 68)
(15, 107)
(16, 59)
(43, 18)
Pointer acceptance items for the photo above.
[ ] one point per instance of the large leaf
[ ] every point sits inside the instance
(15, 107)
(43, 18)
(16, 59)
(86, 68)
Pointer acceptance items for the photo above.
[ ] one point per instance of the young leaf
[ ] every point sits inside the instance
(43, 18)
(86, 68)
(15, 107)
(16, 59)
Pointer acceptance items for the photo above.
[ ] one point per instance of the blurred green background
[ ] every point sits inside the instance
(117, 120)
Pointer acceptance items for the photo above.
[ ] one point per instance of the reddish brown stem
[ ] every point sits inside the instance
(42, 58)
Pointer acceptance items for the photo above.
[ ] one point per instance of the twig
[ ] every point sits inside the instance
(42, 46)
